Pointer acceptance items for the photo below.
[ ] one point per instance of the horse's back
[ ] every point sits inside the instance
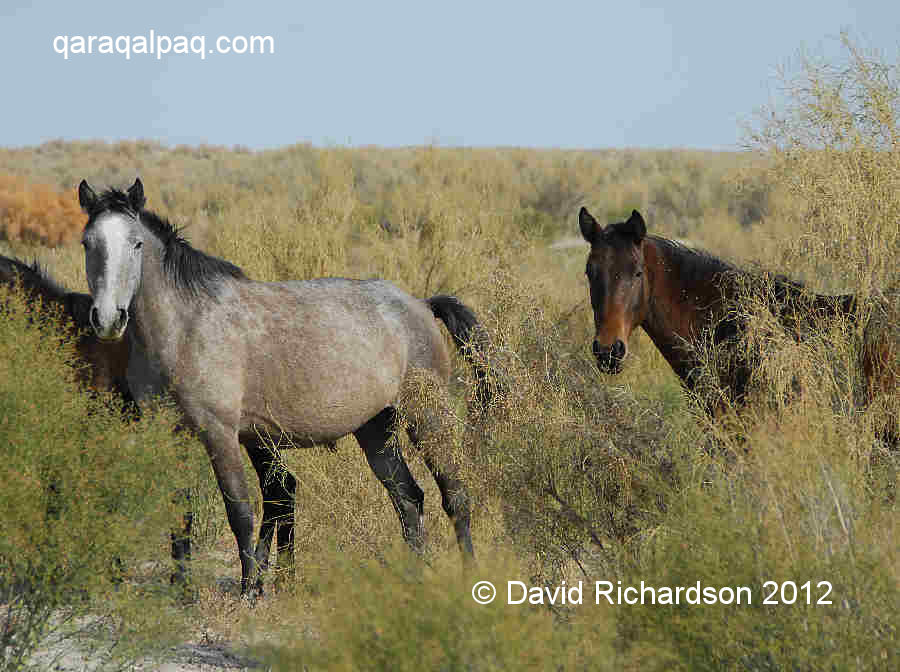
(316, 357)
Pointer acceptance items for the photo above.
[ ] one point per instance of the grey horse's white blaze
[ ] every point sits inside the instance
(113, 256)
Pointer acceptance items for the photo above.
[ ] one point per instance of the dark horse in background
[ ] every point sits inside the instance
(303, 363)
(680, 295)
(106, 362)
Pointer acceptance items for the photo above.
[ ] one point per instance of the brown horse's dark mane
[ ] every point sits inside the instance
(698, 268)
(33, 277)
(714, 289)
(695, 266)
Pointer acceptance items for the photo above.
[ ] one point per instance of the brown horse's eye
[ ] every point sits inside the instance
(638, 273)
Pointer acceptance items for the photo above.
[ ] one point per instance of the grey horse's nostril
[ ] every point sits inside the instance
(123, 317)
(95, 318)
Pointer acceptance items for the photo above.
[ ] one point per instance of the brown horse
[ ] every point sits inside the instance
(681, 296)
(106, 362)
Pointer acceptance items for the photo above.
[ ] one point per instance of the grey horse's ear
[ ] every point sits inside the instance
(635, 226)
(136, 195)
(590, 228)
(87, 197)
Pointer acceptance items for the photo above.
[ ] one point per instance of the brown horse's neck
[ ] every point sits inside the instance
(689, 292)
(682, 301)
(34, 281)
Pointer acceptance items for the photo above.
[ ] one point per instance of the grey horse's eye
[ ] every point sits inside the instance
(138, 245)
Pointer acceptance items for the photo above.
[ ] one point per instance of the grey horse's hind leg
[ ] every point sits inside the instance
(455, 501)
(434, 429)
(278, 487)
(387, 462)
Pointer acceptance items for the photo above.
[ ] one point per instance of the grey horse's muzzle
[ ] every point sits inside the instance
(113, 327)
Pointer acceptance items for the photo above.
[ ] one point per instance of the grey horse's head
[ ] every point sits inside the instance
(113, 243)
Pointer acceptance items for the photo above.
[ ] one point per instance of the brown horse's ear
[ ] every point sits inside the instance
(590, 229)
(87, 197)
(635, 226)
(136, 195)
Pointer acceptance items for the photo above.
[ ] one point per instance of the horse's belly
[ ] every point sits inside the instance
(322, 398)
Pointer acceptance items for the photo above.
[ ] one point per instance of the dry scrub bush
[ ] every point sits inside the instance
(795, 508)
(809, 490)
(835, 147)
(400, 615)
(835, 150)
(578, 465)
(86, 504)
(37, 212)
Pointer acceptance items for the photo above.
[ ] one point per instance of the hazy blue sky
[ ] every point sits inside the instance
(553, 74)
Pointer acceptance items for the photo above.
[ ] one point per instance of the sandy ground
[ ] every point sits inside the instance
(189, 657)
(199, 653)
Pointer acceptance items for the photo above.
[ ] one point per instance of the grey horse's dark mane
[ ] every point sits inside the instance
(192, 271)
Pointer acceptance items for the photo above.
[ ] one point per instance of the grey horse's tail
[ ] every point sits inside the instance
(471, 340)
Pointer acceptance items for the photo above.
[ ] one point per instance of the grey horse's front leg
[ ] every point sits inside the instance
(225, 454)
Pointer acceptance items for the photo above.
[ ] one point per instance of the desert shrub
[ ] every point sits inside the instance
(809, 492)
(37, 212)
(87, 500)
(834, 147)
(579, 464)
(796, 507)
(397, 615)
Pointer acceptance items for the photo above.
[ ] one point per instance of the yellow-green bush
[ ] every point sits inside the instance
(87, 501)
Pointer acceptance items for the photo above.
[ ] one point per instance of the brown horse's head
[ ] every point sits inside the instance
(108, 360)
(620, 294)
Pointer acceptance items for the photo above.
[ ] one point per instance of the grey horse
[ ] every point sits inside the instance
(305, 362)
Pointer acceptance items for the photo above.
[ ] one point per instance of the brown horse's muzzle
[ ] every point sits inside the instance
(609, 359)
